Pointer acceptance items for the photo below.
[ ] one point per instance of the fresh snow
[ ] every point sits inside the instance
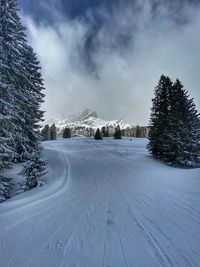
(87, 119)
(105, 204)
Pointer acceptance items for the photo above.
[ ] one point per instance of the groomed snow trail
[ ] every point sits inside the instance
(106, 204)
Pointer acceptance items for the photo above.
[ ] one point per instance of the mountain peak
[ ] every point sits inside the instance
(88, 118)
(83, 115)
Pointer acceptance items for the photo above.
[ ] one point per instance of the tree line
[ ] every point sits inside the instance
(105, 133)
(50, 132)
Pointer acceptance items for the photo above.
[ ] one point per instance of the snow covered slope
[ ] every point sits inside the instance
(106, 203)
(88, 119)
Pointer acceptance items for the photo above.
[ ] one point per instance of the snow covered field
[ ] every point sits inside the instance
(106, 204)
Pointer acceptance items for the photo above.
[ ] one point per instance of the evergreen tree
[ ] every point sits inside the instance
(103, 131)
(98, 135)
(53, 132)
(106, 132)
(6, 187)
(117, 134)
(8, 54)
(34, 169)
(45, 133)
(67, 132)
(32, 115)
(175, 125)
(90, 132)
(144, 131)
(21, 87)
(138, 131)
(159, 117)
(22, 95)
(182, 134)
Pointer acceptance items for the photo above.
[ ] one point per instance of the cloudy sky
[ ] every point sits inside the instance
(108, 55)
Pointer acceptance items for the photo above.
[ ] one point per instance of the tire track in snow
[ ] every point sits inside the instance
(123, 250)
(107, 234)
(118, 231)
(25, 219)
(46, 213)
(72, 243)
(77, 239)
(32, 229)
(42, 201)
(186, 207)
(60, 227)
(10, 261)
(111, 229)
(160, 254)
(43, 219)
(179, 237)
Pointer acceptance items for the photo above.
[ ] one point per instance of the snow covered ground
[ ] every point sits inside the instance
(106, 204)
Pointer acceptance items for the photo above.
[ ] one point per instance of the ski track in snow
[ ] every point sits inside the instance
(106, 204)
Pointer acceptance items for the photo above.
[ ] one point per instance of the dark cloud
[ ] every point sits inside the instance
(44, 10)
(110, 56)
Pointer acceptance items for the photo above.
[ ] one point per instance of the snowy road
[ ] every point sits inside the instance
(106, 204)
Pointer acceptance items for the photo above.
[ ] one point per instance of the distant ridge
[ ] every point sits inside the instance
(87, 118)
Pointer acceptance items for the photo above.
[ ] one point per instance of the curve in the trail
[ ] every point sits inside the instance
(105, 204)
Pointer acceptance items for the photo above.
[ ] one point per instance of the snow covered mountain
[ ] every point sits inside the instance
(87, 119)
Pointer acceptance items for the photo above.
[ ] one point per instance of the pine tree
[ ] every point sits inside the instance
(138, 131)
(106, 132)
(117, 134)
(67, 132)
(30, 96)
(21, 88)
(98, 135)
(144, 131)
(182, 135)
(175, 125)
(91, 132)
(53, 132)
(20, 73)
(45, 133)
(159, 117)
(6, 187)
(8, 55)
(32, 115)
(34, 169)
(103, 131)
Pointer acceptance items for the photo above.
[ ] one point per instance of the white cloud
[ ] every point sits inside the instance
(127, 73)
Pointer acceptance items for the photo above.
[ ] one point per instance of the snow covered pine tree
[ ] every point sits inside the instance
(7, 104)
(6, 187)
(174, 134)
(98, 135)
(158, 120)
(118, 133)
(45, 133)
(21, 87)
(53, 132)
(67, 132)
(138, 131)
(182, 138)
(32, 171)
